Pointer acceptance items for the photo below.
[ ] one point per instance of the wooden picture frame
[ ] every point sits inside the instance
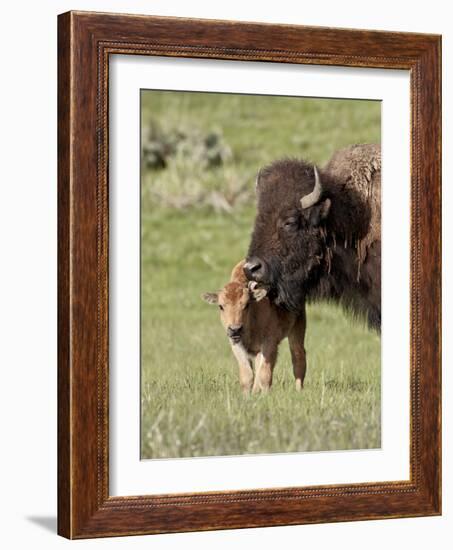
(85, 42)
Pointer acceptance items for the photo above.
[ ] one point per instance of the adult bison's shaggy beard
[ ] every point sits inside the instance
(317, 233)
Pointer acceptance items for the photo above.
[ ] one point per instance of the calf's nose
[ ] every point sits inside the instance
(252, 268)
(234, 330)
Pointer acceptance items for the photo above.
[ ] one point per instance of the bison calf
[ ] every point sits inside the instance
(255, 327)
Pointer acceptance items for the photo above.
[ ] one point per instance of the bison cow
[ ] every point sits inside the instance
(317, 233)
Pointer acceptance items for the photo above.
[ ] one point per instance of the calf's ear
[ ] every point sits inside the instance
(317, 213)
(210, 297)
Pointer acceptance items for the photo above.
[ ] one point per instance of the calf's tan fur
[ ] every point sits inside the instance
(255, 327)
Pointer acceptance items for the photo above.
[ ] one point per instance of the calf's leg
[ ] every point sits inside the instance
(245, 367)
(296, 339)
(264, 368)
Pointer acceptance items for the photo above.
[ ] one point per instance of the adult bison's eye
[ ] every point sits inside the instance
(290, 224)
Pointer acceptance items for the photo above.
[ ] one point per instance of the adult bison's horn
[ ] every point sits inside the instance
(313, 197)
(257, 180)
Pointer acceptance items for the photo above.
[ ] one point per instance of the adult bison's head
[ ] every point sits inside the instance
(288, 240)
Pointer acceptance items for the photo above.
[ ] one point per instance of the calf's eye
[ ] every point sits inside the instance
(220, 307)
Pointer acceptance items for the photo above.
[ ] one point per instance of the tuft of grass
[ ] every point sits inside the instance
(190, 396)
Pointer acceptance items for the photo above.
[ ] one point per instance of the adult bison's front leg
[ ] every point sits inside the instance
(296, 344)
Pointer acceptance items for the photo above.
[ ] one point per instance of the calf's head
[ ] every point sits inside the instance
(288, 239)
(233, 301)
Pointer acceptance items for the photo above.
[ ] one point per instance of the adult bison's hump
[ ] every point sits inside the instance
(358, 167)
(357, 164)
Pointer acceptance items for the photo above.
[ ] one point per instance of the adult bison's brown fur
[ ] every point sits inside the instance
(317, 233)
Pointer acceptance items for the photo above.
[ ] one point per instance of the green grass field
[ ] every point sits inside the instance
(191, 401)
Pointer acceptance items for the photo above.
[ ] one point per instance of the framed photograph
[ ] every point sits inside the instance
(249, 275)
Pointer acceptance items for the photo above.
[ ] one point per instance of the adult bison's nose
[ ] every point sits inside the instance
(254, 269)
